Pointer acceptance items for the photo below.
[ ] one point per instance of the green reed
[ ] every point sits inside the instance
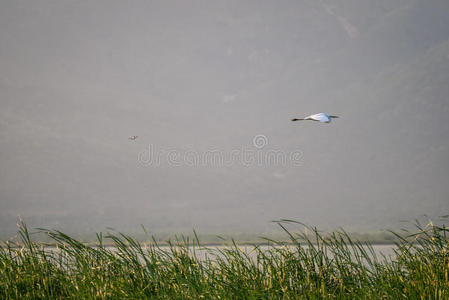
(311, 265)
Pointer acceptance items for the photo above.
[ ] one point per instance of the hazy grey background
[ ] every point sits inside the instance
(78, 77)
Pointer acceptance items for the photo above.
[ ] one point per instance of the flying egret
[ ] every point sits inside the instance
(321, 117)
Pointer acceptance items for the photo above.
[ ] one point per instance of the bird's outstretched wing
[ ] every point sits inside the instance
(320, 117)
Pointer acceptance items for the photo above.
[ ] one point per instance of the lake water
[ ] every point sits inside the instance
(212, 251)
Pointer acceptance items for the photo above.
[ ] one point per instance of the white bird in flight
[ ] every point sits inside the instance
(321, 117)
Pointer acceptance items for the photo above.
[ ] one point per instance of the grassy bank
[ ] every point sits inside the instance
(334, 267)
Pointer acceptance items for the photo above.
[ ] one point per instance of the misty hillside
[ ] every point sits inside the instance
(78, 78)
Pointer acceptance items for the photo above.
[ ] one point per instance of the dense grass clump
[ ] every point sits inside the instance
(310, 266)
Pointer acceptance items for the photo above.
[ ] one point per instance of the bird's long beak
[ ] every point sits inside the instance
(335, 117)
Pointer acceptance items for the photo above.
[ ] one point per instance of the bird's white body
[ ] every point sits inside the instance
(321, 117)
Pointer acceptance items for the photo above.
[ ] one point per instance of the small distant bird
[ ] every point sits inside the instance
(133, 138)
(321, 117)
